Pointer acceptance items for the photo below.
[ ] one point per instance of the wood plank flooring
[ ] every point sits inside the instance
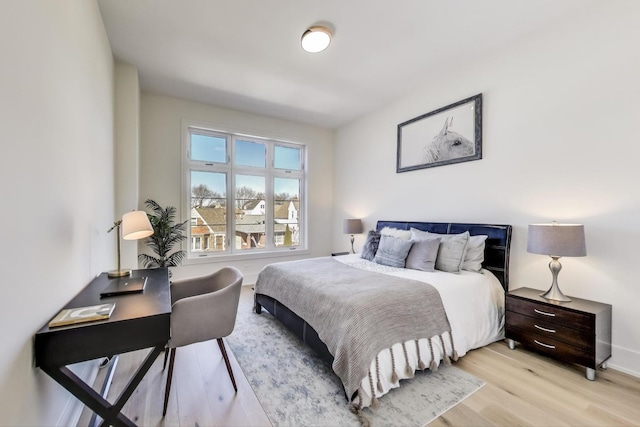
(523, 389)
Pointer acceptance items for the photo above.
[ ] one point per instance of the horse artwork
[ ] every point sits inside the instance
(447, 145)
(425, 142)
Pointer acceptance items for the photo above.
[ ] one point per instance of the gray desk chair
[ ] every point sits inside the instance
(203, 308)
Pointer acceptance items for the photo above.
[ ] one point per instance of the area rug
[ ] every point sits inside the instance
(297, 388)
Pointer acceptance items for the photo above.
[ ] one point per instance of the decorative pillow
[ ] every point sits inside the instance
(423, 254)
(423, 235)
(396, 232)
(392, 251)
(474, 256)
(370, 245)
(451, 252)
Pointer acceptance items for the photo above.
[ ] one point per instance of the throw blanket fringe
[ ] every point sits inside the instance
(445, 356)
(357, 407)
(421, 364)
(379, 383)
(407, 368)
(394, 376)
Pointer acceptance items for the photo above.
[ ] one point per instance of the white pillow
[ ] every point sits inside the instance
(474, 257)
(397, 233)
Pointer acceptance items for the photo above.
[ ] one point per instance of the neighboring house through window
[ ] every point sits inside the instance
(244, 194)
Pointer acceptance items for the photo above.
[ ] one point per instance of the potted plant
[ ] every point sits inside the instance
(166, 234)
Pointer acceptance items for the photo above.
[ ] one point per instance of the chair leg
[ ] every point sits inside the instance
(226, 361)
(169, 375)
(166, 356)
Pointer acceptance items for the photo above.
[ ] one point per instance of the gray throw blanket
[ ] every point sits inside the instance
(356, 313)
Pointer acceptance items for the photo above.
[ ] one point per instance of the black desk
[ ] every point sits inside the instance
(139, 321)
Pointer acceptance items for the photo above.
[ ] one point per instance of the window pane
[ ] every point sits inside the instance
(208, 211)
(251, 154)
(208, 148)
(250, 212)
(286, 225)
(286, 158)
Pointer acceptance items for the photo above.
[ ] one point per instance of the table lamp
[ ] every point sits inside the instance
(135, 225)
(352, 226)
(556, 240)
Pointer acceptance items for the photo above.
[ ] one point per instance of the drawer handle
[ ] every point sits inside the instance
(553, 331)
(545, 345)
(544, 312)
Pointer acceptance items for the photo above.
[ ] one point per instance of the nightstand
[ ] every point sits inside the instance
(575, 332)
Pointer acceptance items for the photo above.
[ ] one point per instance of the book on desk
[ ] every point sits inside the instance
(70, 316)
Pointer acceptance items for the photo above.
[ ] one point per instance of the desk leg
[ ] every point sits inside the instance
(110, 414)
(133, 383)
(104, 391)
(87, 395)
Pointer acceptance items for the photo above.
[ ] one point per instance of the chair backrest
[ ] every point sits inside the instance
(205, 308)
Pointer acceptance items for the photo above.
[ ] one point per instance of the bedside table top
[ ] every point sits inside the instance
(576, 304)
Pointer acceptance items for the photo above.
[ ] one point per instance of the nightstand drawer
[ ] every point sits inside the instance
(542, 327)
(554, 347)
(550, 313)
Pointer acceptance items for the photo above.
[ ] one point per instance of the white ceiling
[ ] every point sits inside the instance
(246, 55)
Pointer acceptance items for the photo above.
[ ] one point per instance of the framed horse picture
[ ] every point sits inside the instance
(451, 134)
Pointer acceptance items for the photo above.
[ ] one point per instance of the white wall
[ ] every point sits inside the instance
(57, 186)
(160, 173)
(561, 111)
(127, 151)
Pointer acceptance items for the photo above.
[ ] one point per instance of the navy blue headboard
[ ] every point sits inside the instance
(497, 245)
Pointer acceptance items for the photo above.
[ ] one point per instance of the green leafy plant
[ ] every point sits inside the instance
(166, 234)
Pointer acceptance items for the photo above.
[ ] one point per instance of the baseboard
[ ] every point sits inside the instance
(625, 360)
(249, 278)
(87, 371)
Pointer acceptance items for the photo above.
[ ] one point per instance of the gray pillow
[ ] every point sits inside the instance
(451, 252)
(392, 251)
(423, 254)
(370, 245)
(474, 256)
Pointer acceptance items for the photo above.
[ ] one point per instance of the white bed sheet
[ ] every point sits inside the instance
(474, 303)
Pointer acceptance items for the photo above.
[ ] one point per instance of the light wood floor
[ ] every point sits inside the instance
(523, 389)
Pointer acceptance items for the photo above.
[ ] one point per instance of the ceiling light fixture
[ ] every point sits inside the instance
(316, 39)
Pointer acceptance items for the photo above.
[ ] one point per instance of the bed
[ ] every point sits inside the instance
(473, 304)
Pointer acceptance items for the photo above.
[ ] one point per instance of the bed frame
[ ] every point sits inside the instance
(496, 260)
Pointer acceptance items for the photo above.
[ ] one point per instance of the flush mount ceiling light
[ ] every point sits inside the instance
(316, 39)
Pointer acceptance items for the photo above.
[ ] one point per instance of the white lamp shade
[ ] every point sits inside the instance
(352, 226)
(136, 225)
(316, 39)
(557, 240)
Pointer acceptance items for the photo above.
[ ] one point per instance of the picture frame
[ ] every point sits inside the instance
(451, 134)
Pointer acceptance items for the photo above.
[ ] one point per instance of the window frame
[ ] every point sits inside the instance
(231, 170)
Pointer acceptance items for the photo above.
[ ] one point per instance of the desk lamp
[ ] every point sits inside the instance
(556, 240)
(135, 225)
(352, 226)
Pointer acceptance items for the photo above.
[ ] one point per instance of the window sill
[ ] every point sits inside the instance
(244, 257)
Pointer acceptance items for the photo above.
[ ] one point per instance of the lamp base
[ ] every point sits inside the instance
(554, 293)
(119, 273)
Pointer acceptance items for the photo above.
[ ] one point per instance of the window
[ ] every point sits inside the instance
(243, 194)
